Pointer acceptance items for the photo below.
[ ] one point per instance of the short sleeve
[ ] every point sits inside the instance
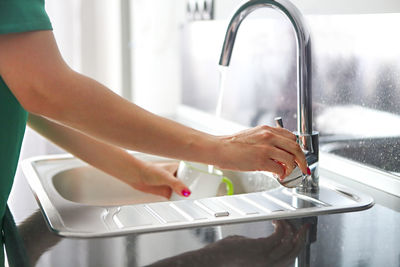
(22, 16)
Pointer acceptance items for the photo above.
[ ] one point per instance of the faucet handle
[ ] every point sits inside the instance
(296, 177)
(279, 122)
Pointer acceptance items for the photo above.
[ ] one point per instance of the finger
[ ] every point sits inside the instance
(170, 167)
(292, 148)
(282, 156)
(302, 163)
(270, 135)
(275, 167)
(177, 185)
(166, 176)
(284, 132)
(284, 170)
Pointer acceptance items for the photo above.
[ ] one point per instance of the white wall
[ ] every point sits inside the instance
(101, 42)
(348, 6)
(65, 17)
(88, 33)
(225, 8)
(156, 73)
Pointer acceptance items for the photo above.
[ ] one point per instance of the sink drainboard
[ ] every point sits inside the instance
(73, 219)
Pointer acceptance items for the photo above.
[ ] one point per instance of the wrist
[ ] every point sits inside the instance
(204, 148)
(129, 169)
(223, 153)
(216, 151)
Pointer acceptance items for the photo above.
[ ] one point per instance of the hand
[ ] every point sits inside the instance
(262, 148)
(160, 179)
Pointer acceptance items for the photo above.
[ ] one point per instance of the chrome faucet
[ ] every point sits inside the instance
(307, 138)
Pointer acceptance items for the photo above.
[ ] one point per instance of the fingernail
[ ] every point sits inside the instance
(308, 171)
(186, 192)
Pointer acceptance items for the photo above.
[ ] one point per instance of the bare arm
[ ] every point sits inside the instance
(148, 177)
(32, 67)
(45, 85)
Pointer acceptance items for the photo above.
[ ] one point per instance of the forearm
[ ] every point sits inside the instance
(110, 159)
(32, 67)
(100, 113)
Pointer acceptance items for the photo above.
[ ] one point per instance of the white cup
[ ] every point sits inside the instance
(201, 180)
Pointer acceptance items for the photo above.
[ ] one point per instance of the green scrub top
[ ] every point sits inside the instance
(15, 16)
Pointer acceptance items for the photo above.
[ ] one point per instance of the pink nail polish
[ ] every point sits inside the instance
(186, 192)
(308, 171)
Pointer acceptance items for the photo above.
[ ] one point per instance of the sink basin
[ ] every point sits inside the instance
(90, 186)
(78, 200)
(382, 153)
(371, 161)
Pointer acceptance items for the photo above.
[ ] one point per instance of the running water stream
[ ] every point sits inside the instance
(221, 90)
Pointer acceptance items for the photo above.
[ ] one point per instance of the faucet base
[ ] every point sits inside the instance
(310, 145)
(310, 183)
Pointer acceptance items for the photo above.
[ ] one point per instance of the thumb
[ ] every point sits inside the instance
(178, 186)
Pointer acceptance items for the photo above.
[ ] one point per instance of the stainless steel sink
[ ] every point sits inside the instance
(81, 201)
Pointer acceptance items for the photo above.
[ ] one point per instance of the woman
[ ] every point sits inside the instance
(96, 125)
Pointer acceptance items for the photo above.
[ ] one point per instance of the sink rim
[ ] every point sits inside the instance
(365, 174)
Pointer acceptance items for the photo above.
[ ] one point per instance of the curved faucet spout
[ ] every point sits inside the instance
(307, 138)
